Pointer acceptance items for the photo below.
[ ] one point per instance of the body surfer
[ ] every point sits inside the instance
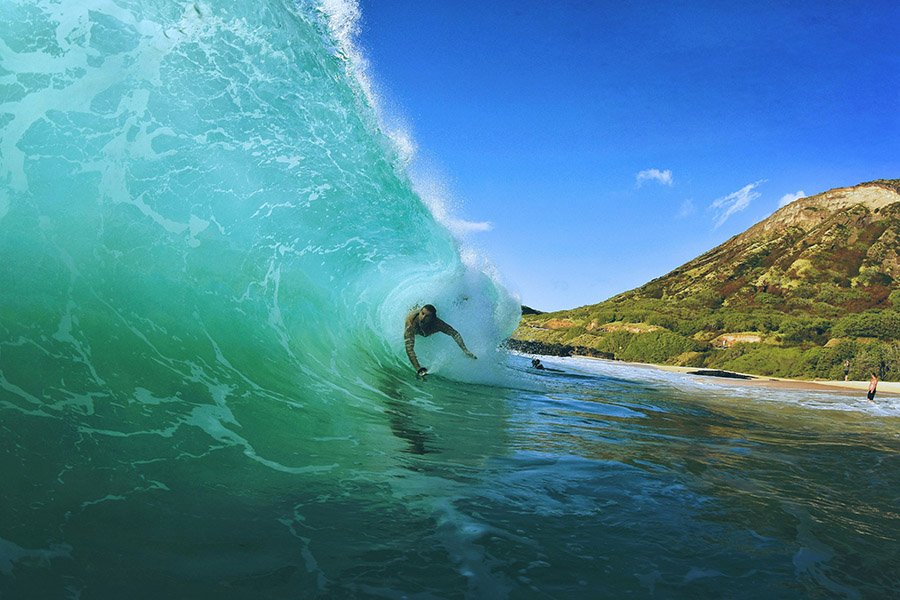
(537, 364)
(424, 322)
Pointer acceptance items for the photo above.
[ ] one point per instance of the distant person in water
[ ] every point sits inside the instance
(873, 384)
(537, 364)
(424, 322)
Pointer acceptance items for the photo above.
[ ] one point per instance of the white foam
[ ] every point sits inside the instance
(343, 18)
(717, 387)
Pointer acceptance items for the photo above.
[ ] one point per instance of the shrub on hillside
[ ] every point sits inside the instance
(741, 321)
(835, 295)
(879, 357)
(883, 325)
(604, 316)
(571, 333)
(657, 347)
(768, 299)
(872, 277)
(759, 359)
(663, 320)
(613, 342)
(689, 321)
(690, 359)
(894, 299)
(705, 299)
(804, 329)
(812, 363)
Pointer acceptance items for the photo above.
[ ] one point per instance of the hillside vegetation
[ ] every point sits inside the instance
(796, 295)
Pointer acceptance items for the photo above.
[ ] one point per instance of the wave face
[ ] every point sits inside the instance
(198, 203)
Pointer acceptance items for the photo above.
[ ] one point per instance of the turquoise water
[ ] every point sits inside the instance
(209, 243)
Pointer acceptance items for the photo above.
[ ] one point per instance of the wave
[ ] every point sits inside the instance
(200, 205)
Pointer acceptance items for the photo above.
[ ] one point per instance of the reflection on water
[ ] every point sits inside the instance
(404, 416)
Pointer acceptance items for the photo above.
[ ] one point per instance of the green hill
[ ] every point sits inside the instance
(796, 295)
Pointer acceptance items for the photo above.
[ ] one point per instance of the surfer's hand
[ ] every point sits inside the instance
(422, 372)
(470, 355)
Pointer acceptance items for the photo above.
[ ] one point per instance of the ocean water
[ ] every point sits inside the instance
(208, 243)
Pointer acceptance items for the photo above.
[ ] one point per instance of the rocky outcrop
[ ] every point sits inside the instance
(550, 349)
(720, 373)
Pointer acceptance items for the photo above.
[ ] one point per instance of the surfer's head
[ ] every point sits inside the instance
(428, 313)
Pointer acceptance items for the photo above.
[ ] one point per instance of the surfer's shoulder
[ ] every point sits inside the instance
(410, 326)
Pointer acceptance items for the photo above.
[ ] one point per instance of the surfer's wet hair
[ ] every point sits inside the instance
(430, 308)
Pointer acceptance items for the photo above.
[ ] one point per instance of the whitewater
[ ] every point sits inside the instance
(209, 240)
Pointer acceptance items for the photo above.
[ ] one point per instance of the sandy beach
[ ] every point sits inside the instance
(891, 388)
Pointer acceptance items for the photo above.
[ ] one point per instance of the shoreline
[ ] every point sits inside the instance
(888, 388)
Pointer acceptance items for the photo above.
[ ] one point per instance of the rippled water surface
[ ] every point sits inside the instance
(588, 483)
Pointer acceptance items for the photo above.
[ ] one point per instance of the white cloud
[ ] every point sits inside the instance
(686, 209)
(663, 177)
(788, 198)
(735, 202)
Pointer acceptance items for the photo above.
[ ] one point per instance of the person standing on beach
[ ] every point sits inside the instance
(873, 384)
(846, 370)
(424, 322)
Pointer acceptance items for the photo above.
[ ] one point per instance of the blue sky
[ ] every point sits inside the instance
(607, 143)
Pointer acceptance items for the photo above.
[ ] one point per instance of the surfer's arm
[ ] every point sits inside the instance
(410, 337)
(445, 327)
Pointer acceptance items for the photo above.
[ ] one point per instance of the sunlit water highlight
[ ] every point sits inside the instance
(208, 246)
